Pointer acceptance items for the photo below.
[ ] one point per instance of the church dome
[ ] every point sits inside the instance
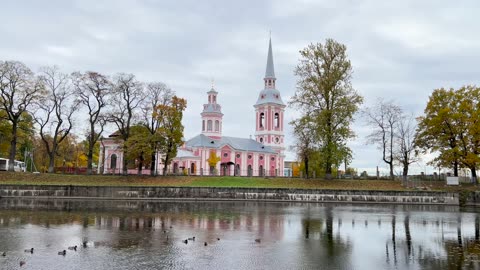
(212, 108)
(269, 95)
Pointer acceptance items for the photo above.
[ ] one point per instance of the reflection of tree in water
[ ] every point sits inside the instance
(399, 247)
(461, 253)
(326, 248)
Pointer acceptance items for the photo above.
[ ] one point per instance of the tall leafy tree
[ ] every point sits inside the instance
(171, 128)
(305, 143)
(439, 130)
(92, 90)
(139, 146)
(128, 93)
(55, 111)
(157, 93)
(468, 99)
(325, 94)
(19, 88)
(25, 135)
(384, 118)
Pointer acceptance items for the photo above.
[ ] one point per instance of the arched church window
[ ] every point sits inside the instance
(261, 139)
(217, 125)
(214, 99)
(209, 125)
(262, 119)
(203, 125)
(277, 120)
(209, 99)
(113, 161)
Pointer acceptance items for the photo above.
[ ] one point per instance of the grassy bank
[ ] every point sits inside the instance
(192, 181)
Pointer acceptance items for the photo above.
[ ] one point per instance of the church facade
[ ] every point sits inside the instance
(212, 153)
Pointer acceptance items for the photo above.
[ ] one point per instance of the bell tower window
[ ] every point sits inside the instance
(209, 125)
(262, 119)
(217, 125)
(277, 120)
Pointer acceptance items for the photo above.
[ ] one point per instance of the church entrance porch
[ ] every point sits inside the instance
(226, 168)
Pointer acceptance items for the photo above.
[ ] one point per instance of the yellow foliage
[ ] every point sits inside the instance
(213, 158)
(296, 169)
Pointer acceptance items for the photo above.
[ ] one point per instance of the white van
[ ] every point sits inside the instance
(19, 166)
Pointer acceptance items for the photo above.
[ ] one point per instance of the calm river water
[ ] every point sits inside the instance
(149, 235)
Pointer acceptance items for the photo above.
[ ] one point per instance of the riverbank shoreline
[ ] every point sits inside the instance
(227, 194)
(44, 179)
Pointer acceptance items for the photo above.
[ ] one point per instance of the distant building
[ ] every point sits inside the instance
(262, 156)
(290, 168)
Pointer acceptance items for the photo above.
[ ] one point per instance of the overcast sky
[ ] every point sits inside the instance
(400, 50)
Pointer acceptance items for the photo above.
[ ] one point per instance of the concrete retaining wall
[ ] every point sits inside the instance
(254, 194)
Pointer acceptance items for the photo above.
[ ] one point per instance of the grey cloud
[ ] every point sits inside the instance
(400, 50)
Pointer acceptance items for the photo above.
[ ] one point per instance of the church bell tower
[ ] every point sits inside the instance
(269, 111)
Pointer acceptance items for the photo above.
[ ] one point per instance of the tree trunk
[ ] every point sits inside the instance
(124, 161)
(391, 171)
(51, 162)
(140, 163)
(474, 175)
(328, 167)
(13, 148)
(405, 172)
(455, 168)
(165, 164)
(391, 153)
(306, 166)
(90, 160)
(167, 157)
(152, 164)
(103, 161)
(139, 169)
(91, 145)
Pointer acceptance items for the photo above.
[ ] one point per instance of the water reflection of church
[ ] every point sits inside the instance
(261, 156)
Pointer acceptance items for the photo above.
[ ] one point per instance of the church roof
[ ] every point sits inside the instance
(212, 91)
(212, 108)
(241, 144)
(270, 71)
(269, 95)
(182, 153)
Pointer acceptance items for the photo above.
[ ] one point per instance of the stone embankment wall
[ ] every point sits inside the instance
(252, 194)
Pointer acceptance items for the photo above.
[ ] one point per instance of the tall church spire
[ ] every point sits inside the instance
(269, 110)
(270, 71)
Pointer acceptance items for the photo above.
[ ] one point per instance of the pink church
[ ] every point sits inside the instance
(263, 156)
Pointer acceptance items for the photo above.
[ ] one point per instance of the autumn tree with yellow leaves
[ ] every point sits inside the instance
(450, 127)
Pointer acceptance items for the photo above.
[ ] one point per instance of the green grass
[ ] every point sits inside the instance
(9, 178)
